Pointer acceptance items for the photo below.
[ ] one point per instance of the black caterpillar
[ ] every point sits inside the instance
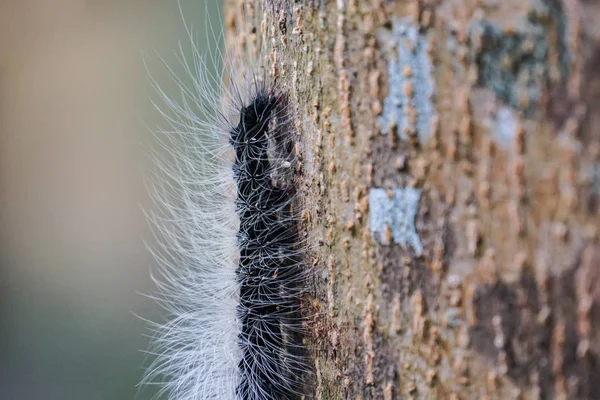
(268, 269)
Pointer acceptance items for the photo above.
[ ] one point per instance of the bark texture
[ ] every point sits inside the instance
(450, 185)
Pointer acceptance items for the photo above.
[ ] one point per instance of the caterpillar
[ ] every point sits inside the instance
(231, 273)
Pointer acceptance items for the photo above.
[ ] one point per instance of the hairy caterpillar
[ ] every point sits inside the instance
(229, 245)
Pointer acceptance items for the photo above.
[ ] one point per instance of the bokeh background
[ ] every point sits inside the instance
(75, 133)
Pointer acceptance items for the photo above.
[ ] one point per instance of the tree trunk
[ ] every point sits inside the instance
(450, 189)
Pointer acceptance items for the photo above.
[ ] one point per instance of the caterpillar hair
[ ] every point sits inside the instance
(231, 274)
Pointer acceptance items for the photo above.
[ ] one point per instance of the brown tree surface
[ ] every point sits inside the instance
(450, 185)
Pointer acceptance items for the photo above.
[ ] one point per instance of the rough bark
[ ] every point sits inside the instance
(488, 109)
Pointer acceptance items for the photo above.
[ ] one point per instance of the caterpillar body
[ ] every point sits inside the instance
(232, 274)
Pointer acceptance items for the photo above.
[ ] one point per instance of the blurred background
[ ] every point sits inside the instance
(75, 133)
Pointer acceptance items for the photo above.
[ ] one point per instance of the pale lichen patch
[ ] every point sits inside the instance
(395, 214)
(409, 105)
(505, 126)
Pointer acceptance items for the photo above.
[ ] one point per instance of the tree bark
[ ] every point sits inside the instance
(450, 188)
